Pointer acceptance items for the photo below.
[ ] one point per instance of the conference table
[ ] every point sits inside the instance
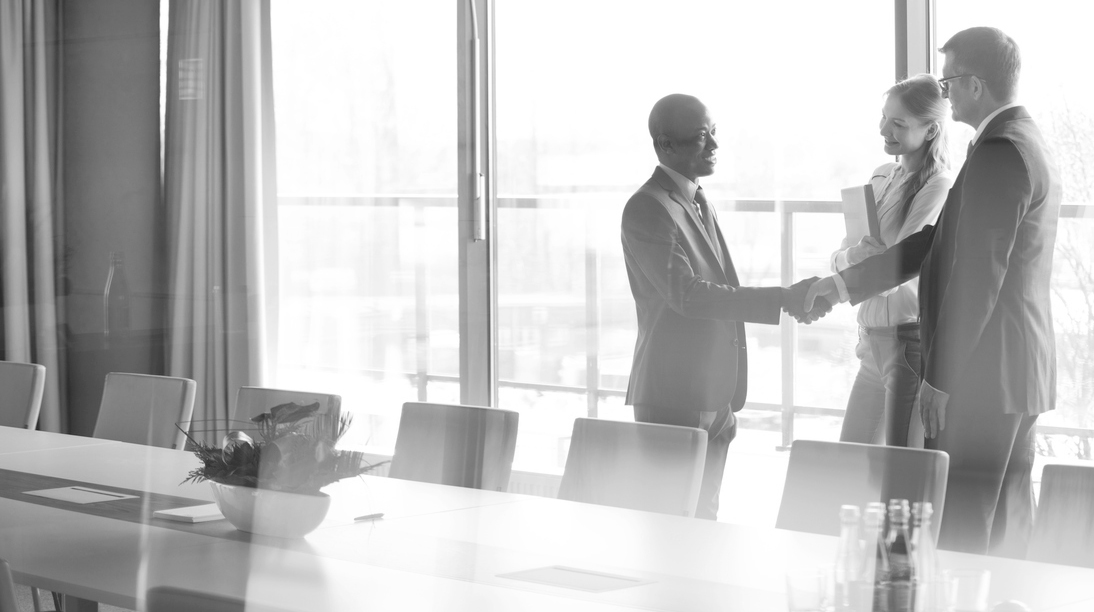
(436, 547)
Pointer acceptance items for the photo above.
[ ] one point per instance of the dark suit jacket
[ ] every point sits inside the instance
(690, 353)
(985, 268)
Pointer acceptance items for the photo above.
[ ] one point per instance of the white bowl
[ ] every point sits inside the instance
(268, 512)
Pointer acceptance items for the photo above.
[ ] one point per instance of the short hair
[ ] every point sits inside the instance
(989, 54)
(665, 108)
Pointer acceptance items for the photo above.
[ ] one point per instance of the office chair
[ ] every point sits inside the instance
(21, 400)
(642, 466)
(822, 476)
(463, 446)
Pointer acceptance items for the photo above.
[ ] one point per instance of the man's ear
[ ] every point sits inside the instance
(664, 144)
(978, 89)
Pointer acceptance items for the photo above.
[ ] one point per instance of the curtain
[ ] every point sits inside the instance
(219, 171)
(31, 221)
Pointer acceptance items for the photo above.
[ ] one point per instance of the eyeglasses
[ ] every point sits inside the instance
(946, 86)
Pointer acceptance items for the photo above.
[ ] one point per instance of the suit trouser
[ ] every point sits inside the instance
(989, 491)
(721, 428)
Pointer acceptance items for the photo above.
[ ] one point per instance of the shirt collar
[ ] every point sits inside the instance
(686, 185)
(987, 120)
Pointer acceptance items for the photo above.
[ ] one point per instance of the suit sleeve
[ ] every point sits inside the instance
(653, 240)
(898, 264)
(996, 196)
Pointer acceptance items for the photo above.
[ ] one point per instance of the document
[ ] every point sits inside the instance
(191, 514)
(860, 213)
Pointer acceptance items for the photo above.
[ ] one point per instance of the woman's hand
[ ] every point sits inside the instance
(865, 249)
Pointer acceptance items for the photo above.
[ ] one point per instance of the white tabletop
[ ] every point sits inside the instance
(437, 547)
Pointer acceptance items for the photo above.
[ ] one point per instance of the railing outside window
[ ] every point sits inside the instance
(381, 330)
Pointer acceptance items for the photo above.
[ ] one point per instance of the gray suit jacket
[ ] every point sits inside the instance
(985, 269)
(690, 354)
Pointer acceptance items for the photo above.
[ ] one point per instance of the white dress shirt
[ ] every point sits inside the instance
(901, 304)
(686, 185)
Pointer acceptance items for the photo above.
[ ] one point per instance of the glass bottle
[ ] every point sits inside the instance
(925, 555)
(872, 592)
(115, 298)
(902, 570)
(847, 558)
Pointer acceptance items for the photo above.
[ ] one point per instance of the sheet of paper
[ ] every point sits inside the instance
(575, 578)
(191, 514)
(80, 495)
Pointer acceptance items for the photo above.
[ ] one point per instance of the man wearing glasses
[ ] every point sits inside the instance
(989, 364)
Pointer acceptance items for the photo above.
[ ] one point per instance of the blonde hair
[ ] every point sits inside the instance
(921, 95)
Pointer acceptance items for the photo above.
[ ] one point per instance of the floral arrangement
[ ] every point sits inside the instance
(296, 452)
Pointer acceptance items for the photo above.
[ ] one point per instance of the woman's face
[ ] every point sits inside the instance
(902, 133)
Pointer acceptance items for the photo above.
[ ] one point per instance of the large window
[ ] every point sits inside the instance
(366, 98)
(366, 145)
(575, 83)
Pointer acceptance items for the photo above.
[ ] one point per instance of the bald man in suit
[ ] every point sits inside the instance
(690, 360)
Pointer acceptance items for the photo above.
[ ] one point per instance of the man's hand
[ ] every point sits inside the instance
(932, 409)
(825, 288)
(794, 298)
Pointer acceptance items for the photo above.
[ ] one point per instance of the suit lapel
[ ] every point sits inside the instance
(669, 185)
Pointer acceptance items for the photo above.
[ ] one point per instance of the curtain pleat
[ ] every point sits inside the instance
(31, 231)
(219, 174)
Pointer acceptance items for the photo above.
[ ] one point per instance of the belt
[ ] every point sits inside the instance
(889, 331)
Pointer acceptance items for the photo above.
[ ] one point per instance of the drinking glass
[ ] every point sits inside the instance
(808, 589)
(968, 589)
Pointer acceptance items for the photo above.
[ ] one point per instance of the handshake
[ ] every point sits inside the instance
(801, 301)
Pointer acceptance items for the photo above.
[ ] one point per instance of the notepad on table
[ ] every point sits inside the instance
(80, 495)
(191, 514)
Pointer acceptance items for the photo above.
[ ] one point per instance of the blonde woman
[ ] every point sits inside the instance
(909, 195)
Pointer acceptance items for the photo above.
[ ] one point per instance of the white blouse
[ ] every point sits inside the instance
(901, 304)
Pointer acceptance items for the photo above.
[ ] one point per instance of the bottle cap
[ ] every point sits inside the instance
(922, 510)
(848, 512)
(898, 511)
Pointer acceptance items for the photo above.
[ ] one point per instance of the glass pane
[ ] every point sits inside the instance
(366, 138)
(1055, 47)
(796, 103)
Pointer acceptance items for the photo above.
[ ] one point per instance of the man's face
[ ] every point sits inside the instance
(691, 142)
(958, 91)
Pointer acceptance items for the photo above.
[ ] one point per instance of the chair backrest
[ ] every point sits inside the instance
(463, 446)
(172, 599)
(1063, 531)
(253, 401)
(143, 409)
(21, 399)
(7, 589)
(643, 466)
(822, 476)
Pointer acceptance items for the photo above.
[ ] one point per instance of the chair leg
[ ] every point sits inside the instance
(58, 601)
(34, 599)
